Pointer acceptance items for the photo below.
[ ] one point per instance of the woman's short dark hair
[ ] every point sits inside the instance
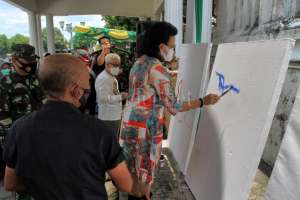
(159, 32)
(104, 37)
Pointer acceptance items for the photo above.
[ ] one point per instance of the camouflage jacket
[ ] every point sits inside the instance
(19, 96)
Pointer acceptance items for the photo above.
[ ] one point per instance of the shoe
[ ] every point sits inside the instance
(130, 197)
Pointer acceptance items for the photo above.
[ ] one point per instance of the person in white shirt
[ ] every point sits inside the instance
(109, 99)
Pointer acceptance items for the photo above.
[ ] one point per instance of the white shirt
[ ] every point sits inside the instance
(109, 99)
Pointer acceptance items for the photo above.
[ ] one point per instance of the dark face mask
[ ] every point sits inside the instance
(31, 65)
(84, 97)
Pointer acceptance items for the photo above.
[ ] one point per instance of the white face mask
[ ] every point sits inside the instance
(115, 71)
(169, 55)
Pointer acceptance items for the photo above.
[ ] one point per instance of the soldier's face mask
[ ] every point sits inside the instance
(28, 67)
(83, 99)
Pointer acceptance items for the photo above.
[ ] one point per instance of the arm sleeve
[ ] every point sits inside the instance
(10, 148)
(165, 91)
(113, 153)
(103, 90)
(5, 116)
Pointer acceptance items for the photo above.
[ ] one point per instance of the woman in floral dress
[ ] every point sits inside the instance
(150, 92)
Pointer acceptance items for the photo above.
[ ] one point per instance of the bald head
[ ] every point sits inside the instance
(58, 71)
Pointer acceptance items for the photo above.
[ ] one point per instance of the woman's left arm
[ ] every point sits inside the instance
(166, 93)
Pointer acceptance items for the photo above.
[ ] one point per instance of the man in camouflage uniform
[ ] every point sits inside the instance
(20, 91)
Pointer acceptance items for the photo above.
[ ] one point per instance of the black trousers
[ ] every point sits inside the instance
(114, 126)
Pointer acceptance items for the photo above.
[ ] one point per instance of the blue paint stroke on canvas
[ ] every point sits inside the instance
(223, 86)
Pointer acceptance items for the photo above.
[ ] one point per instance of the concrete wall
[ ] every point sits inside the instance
(246, 20)
(282, 114)
(243, 20)
(298, 8)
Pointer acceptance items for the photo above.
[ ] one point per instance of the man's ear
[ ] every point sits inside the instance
(161, 46)
(73, 91)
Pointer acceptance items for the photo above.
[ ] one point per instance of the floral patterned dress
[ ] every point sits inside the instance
(150, 92)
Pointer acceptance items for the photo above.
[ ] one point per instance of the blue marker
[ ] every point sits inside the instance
(226, 88)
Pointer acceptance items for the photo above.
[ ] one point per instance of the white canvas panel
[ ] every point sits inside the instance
(232, 134)
(285, 179)
(191, 81)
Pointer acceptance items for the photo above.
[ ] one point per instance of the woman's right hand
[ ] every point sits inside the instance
(211, 99)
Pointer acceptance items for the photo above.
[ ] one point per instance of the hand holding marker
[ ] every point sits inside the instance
(225, 92)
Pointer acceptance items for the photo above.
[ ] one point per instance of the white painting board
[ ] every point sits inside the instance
(232, 134)
(191, 81)
(285, 179)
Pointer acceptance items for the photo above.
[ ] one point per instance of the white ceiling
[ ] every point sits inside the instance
(138, 8)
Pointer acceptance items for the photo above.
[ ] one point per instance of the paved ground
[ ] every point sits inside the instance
(259, 186)
(170, 184)
(5, 195)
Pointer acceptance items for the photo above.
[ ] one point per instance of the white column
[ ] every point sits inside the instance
(173, 14)
(33, 31)
(50, 33)
(39, 35)
(206, 21)
(190, 34)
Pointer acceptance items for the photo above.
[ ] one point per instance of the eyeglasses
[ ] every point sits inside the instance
(173, 47)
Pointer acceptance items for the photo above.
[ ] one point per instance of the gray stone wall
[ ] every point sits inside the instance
(244, 20)
(280, 121)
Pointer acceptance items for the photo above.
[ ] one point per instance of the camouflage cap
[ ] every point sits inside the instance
(24, 51)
